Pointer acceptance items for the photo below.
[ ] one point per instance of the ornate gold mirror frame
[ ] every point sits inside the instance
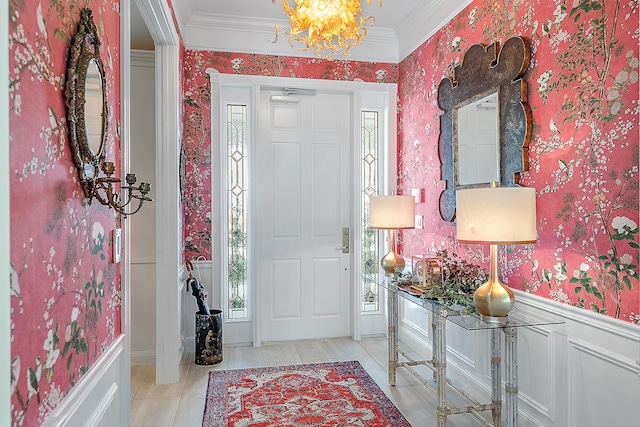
(86, 100)
(486, 70)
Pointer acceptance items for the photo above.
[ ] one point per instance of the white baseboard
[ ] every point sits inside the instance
(143, 357)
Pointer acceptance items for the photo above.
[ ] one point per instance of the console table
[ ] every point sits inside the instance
(441, 314)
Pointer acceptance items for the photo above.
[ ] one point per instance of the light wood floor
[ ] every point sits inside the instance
(182, 404)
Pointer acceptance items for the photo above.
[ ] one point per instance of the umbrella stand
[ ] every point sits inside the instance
(208, 324)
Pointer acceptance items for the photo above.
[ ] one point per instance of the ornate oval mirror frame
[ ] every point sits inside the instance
(83, 54)
(487, 69)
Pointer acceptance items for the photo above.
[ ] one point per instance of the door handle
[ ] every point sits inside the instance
(345, 241)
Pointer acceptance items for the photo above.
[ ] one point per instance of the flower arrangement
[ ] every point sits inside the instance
(459, 279)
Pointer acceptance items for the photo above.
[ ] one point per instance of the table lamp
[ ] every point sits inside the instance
(392, 213)
(495, 216)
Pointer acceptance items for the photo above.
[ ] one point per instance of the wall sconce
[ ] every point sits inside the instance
(87, 118)
(495, 216)
(110, 197)
(392, 213)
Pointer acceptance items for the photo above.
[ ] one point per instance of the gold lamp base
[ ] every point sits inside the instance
(494, 299)
(392, 261)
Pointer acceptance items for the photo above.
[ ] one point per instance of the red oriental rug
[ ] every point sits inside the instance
(321, 394)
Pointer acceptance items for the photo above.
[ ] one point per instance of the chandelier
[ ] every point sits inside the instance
(327, 26)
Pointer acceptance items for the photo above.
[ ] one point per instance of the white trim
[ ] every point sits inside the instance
(370, 322)
(267, 81)
(143, 261)
(102, 408)
(167, 214)
(143, 357)
(424, 22)
(244, 95)
(252, 250)
(125, 164)
(356, 89)
(158, 17)
(5, 212)
(207, 33)
(555, 363)
(143, 58)
(585, 317)
(226, 33)
(97, 385)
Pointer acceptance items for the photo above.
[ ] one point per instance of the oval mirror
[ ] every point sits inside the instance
(486, 122)
(93, 107)
(86, 100)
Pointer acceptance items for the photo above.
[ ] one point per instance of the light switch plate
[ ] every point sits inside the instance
(418, 222)
(417, 194)
(117, 244)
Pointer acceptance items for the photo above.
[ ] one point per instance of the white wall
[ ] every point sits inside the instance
(143, 223)
(583, 373)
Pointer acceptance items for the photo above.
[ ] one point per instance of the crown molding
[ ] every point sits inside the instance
(230, 33)
(227, 33)
(143, 58)
(424, 21)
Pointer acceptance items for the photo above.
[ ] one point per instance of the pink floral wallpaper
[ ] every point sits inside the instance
(196, 139)
(65, 290)
(583, 94)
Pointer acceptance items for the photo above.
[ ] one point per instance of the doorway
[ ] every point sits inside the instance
(303, 201)
(282, 287)
(168, 348)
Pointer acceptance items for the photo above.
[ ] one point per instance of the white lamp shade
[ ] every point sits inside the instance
(501, 215)
(392, 212)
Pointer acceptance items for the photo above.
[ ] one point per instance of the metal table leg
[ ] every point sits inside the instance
(392, 312)
(511, 374)
(496, 376)
(440, 364)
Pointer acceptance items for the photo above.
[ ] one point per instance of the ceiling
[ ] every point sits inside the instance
(249, 26)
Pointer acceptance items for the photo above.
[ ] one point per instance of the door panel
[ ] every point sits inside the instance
(326, 184)
(286, 289)
(286, 191)
(326, 287)
(303, 188)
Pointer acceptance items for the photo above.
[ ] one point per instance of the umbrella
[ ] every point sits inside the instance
(197, 290)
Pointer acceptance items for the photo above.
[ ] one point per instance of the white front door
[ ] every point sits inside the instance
(303, 203)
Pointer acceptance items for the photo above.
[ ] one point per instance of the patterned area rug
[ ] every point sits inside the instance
(321, 394)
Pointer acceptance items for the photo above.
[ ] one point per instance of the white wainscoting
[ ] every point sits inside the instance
(583, 373)
(99, 397)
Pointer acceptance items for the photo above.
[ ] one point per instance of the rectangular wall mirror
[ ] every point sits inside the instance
(477, 141)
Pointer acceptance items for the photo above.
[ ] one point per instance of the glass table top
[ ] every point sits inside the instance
(460, 315)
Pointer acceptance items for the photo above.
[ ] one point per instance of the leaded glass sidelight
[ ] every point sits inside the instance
(237, 196)
(370, 187)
